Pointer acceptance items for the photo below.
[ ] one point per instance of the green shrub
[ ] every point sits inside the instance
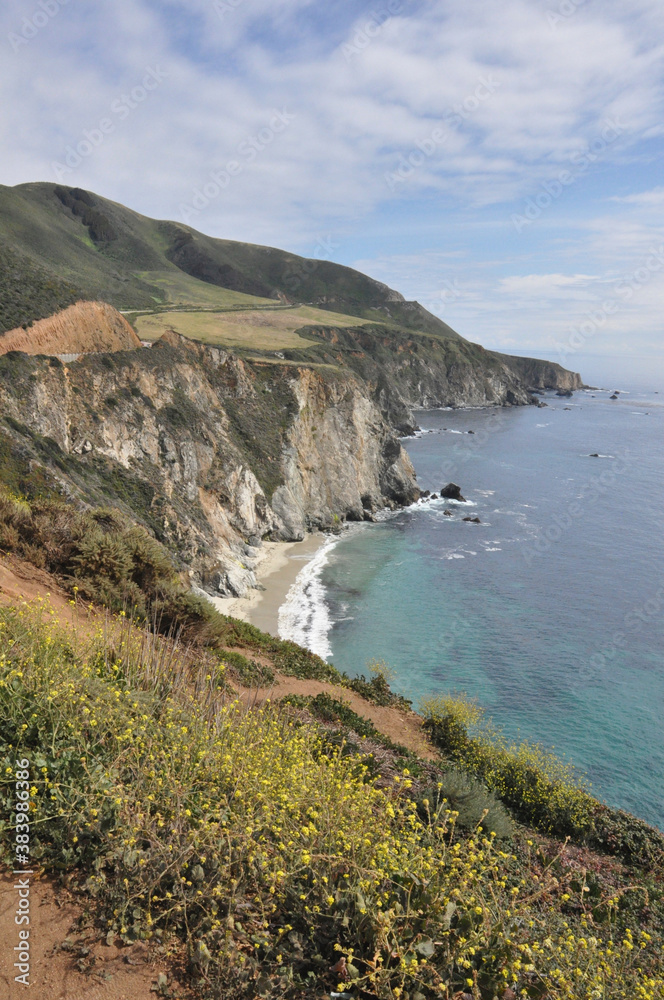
(292, 660)
(377, 689)
(474, 804)
(328, 709)
(247, 672)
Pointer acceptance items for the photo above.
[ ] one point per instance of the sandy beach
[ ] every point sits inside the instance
(279, 566)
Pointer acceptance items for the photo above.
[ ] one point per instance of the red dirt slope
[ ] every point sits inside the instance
(84, 328)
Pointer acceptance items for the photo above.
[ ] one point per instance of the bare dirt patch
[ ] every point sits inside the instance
(398, 725)
(67, 963)
(82, 328)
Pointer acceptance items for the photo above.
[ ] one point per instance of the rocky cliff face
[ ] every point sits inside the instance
(211, 452)
(540, 375)
(406, 371)
(214, 453)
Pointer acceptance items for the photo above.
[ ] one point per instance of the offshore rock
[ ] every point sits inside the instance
(452, 492)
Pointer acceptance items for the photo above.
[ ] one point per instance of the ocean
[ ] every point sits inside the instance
(551, 610)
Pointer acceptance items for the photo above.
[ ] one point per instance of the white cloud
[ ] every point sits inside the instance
(649, 198)
(358, 117)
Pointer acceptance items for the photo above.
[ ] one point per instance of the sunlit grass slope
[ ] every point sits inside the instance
(269, 329)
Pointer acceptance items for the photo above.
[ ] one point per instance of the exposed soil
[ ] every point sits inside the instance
(67, 963)
(82, 328)
(20, 580)
(400, 726)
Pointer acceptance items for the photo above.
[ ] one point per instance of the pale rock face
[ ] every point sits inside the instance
(340, 456)
(161, 415)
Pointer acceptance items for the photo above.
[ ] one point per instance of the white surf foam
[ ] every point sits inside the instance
(304, 616)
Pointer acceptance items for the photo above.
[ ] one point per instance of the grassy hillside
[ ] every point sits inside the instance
(71, 240)
(267, 329)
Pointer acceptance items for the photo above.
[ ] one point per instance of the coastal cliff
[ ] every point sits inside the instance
(212, 453)
(539, 375)
(409, 371)
(276, 408)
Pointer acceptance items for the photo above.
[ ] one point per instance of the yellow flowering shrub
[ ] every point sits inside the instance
(272, 855)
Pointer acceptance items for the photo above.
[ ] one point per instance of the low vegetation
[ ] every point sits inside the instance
(282, 865)
(100, 556)
(28, 292)
(538, 787)
(264, 329)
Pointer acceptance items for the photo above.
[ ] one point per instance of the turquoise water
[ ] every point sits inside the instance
(551, 611)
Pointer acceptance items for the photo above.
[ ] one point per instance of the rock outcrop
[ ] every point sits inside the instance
(452, 492)
(542, 375)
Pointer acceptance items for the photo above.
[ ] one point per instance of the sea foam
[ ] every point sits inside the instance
(304, 616)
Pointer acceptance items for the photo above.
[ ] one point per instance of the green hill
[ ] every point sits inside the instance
(73, 244)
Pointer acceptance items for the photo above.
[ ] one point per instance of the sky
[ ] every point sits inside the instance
(499, 162)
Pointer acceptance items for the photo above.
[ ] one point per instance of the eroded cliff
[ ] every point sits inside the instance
(406, 371)
(211, 452)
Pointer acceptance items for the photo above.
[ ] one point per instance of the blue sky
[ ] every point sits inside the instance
(500, 162)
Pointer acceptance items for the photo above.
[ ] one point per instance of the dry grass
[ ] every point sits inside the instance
(269, 330)
(82, 328)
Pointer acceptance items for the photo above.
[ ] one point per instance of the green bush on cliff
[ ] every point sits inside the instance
(377, 688)
(538, 787)
(474, 805)
(247, 672)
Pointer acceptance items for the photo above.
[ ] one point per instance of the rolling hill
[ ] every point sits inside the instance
(72, 244)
